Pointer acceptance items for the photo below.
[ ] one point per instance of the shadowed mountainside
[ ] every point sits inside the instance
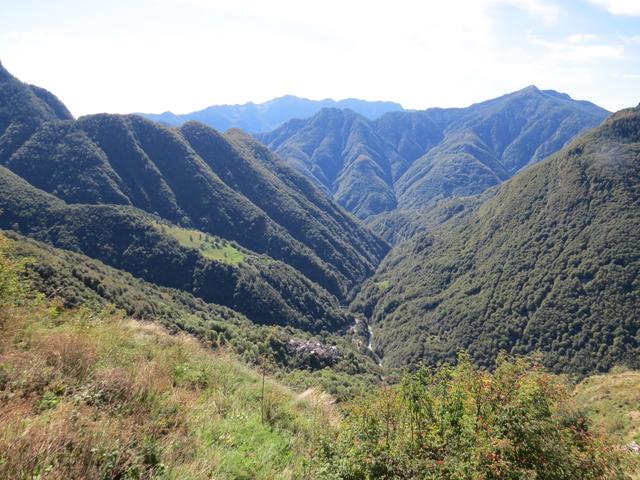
(224, 185)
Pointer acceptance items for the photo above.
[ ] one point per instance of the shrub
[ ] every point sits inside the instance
(463, 423)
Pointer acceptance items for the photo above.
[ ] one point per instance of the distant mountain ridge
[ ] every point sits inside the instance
(262, 117)
(408, 159)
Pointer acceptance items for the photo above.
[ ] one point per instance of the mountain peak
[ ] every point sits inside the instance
(531, 89)
(374, 166)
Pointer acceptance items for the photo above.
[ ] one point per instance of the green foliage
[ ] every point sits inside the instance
(463, 423)
(382, 285)
(400, 225)
(12, 290)
(547, 262)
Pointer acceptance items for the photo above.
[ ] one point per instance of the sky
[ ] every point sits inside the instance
(183, 55)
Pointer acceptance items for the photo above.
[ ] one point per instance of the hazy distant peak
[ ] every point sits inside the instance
(262, 117)
(338, 112)
(530, 89)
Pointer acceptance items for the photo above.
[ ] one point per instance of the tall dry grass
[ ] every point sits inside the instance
(95, 395)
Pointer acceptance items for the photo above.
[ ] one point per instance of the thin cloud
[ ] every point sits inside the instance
(620, 7)
(548, 12)
(196, 53)
(576, 49)
(582, 38)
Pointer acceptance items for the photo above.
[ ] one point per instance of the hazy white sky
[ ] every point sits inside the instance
(183, 55)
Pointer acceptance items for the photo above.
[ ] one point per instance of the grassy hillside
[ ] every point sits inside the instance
(338, 366)
(90, 393)
(213, 248)
(613, 402)
(549, 262)
(93, 394)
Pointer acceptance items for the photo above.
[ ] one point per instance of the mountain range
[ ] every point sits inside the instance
(262, 117)
(548, 261)
(514, 227)
(501, 241)
(408, 160)
(215, 215)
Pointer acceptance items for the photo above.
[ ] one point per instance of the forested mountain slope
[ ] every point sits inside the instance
(410, 159)
(549, 262)
(22, 108)
(266, 290)
(194, 177)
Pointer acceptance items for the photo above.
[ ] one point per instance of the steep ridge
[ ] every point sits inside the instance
(265, 290)
(127, 160)
(549, 261)
(252, 170)
(262, 117)
(341, 152)
(408, 160)
(22, 108)
(492, 140)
